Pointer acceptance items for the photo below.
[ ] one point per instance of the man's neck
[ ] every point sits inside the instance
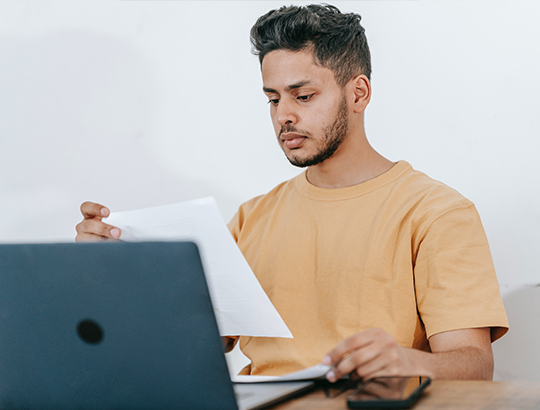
(353, 163)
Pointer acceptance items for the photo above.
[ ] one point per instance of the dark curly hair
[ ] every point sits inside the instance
(337, 39)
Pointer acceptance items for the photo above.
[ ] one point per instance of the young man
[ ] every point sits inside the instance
(376, 268)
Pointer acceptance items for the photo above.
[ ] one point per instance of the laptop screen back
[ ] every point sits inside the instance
(108, 326)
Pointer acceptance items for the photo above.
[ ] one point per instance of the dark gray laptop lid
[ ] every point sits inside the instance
(108, 326)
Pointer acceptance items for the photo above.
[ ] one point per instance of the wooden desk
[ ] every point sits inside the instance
(445, 395)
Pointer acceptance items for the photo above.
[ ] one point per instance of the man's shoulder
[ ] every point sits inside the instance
(260, 207)
(272, 196)
(417, 187)
(425, 201)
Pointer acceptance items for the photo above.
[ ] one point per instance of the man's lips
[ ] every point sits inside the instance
(292, 140)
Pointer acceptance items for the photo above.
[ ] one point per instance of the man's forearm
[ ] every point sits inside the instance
(465, 363)
(457, 354)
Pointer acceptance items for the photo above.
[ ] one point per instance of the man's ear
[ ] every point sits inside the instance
(360, 88)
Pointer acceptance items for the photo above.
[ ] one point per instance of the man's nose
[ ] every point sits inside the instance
(285, 113)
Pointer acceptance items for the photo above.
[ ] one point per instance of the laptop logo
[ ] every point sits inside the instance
(89, 331)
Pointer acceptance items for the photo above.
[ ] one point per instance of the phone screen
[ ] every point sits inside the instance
(389, 390)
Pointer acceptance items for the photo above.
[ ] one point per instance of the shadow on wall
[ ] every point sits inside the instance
(517, 355)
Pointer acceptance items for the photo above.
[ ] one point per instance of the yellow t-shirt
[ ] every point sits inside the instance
(401, 251)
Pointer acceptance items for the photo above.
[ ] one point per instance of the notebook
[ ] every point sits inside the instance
(114, 326)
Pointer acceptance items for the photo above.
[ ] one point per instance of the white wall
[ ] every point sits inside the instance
(136, 104)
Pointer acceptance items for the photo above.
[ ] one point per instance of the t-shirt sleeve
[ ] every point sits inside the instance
(455, 280)
(237, 222)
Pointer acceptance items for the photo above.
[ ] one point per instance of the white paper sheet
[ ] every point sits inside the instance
(240, 304)
(310, 373)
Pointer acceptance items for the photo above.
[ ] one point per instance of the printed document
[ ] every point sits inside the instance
(241, 306)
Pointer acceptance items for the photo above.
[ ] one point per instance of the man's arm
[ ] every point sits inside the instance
(458, 354)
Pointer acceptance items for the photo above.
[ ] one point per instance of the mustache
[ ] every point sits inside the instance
(292, 128)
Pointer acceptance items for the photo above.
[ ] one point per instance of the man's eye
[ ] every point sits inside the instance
(273, 102)
(304, 97)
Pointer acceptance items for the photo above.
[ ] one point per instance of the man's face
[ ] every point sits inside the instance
(308, 108)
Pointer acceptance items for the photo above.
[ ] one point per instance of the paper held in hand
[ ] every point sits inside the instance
(241, 306)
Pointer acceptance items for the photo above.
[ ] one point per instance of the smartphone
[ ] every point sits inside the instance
(388, 393)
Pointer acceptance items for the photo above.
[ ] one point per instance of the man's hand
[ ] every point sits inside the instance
(91, 228)
(458, 354)
(369, 354)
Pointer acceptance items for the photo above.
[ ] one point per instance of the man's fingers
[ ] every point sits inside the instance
(92, 210)
(364, 360)
(84, 237)
(367, 352)
(96, 228)
(350, 344)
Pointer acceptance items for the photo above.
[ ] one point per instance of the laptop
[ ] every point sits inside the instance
(114, 326)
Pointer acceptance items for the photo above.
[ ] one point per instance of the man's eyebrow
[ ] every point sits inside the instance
(289, 87)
